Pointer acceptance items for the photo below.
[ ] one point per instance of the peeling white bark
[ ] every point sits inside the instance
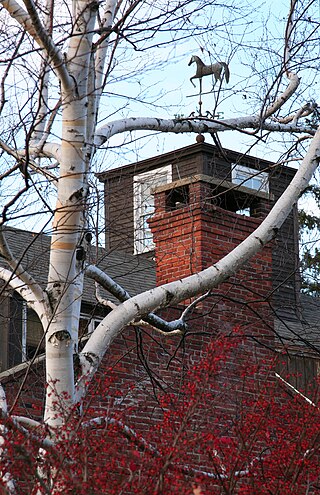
(65, 272)
(32, 24)
(39, 305)
(203, 125)
(4, 475)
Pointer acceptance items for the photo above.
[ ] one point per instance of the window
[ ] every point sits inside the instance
(88, 324)
(32, 333)
(144, 205)
(24, 333)
(249, 177)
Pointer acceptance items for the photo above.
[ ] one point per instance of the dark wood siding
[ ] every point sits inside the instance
(300, 371)
(286, 248)
(119, 213)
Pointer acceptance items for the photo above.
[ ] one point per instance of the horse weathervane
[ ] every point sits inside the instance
(206, 70)
(218, 70)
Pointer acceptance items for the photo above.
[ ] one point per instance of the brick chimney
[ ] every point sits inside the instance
(197, 221)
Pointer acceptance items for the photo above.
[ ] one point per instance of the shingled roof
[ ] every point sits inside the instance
(134, 273)
(300, 330)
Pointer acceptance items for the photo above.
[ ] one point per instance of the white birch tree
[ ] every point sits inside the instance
(76, 43)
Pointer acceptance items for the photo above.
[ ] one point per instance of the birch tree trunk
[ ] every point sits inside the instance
(65, 278)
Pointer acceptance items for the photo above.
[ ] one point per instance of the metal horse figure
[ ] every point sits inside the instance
(206, 70)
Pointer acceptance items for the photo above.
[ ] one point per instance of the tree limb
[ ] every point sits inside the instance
(27, 422)
(47, 150)
(31, 23)
(38, 134)
(307, 109)
(20, 272)
(21, 156)
(176, 326)
(37, 304)
(4, 475)
(203, 125)
(294, 82)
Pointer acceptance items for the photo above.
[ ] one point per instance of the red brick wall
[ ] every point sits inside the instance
(195, 236)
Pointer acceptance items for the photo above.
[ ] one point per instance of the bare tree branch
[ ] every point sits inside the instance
(194, 125)
(27, 293)
(20, 272)
(20, 156)
(32, 24)
(307, 109)
(172, 327)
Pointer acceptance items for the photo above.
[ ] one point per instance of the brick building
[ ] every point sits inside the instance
(165, 218)
(186, 209)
